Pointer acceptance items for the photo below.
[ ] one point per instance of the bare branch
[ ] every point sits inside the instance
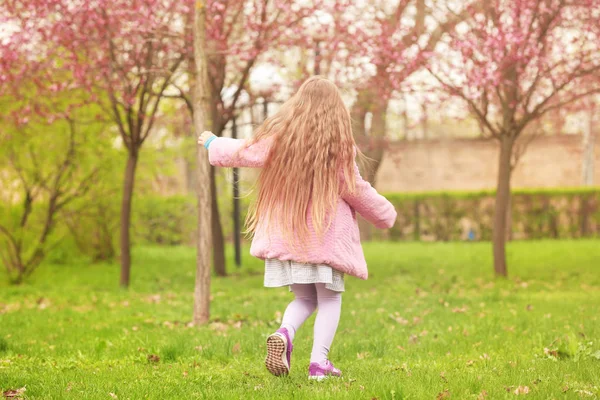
(158, 97)
(481, 115)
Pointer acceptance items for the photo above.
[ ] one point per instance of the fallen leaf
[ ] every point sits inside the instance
(470, 363)
(484, 356)
(443, 395)
(258, 387)
(529, 307)
(153, 358)
(14, 393)
(114, 396)
(443, 376)
(565, 389)
(551, 353)
(236, 348)
(218, 326)
(482, 395)
(584, 393)
(521, 390)
(185, 373)
(155, 298)
(361, 387)
(399, 319)
(460, 310)
(413, 339)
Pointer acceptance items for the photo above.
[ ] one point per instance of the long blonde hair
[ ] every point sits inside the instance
(312, 149)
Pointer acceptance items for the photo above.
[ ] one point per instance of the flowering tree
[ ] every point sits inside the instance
(377, 47)
(126, 54)
(513, 62)
(238, 35)
(50, 150)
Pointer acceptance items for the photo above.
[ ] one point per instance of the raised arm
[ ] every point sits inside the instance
(371, 205)
(227, 152)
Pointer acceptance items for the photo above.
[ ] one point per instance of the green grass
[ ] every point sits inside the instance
(431, 321)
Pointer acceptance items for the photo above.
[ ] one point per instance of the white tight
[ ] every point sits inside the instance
(308, 298)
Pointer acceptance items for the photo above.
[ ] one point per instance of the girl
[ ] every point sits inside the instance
(304, 219)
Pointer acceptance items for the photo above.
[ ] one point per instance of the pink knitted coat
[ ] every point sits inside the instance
(340, 246)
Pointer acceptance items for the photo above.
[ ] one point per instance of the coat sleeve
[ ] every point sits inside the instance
(227, 152)
(371, 205)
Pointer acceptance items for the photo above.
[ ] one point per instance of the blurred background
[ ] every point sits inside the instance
(456, 103)
(480, 119)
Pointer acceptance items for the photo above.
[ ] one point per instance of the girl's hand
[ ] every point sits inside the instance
(204, 137)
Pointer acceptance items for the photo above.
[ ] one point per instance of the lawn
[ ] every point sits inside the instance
(431, 322)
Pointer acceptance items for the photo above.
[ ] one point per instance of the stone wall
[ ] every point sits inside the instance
(462, 164)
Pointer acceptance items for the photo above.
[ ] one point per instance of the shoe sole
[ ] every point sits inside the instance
(322, 377)
(276, 361)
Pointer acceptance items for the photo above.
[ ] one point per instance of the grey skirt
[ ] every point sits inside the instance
(284, 273)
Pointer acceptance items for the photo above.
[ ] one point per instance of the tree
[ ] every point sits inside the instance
(380, 45)
(514, 62)
(126, 53)
(201, 103)
(238, 34)
(50, 165)
(589, 142)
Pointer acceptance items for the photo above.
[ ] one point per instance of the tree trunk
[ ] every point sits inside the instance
(501, 207)
(204, 187)
(424, 122)
(191, 173)
(377, 139)
(128, 185)
(589, 143)
(371, 142)
(236, 202)
(217, 230)
(509, 233)
(317, 68)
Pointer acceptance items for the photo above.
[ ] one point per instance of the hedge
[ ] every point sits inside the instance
(432, 216)
(536, 213)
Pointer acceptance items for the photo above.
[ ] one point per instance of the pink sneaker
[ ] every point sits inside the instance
(322, 371)
(279, 352)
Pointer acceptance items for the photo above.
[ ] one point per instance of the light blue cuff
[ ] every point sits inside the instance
(210, 139)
